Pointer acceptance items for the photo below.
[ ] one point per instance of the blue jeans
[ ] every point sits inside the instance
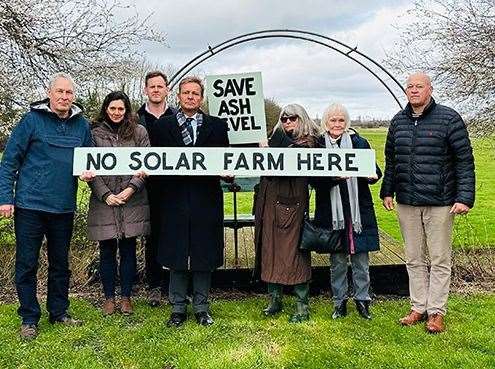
(30, 228)
(108, 265)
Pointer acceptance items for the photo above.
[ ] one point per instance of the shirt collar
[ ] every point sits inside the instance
(146, 108)
(181, 117)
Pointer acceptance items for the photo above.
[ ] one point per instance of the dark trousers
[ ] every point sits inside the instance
(108, 265)
(177, 292)
(155, 274)
(31, 226)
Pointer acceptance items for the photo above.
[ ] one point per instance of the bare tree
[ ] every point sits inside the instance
(91, 39)
(272, 111)
(453, 40)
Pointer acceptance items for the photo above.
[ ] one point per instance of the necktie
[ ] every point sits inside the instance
(190, 128)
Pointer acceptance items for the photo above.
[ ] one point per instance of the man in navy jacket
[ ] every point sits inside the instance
(37, 188)
(430, 171)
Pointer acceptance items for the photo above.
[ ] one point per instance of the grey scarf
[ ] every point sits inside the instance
(352, 188)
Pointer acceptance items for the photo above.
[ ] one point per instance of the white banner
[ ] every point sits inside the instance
(207, 161)
(238, 100)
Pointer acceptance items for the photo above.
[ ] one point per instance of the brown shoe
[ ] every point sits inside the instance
(28, 331)
(412, 318)
(126, 306)
(154, 297)
(67, 320)
(435, 323)
(109, 307)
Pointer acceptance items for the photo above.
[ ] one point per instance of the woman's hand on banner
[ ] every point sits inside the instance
(87, 176)
(141, 174)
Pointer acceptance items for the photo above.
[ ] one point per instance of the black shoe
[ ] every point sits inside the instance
(340, 310)
(301, 314)
(363, 308)
(67, 320)
(176, 319)
(203, 318)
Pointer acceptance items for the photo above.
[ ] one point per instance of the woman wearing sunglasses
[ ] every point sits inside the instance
(279, 210)
(346, 203)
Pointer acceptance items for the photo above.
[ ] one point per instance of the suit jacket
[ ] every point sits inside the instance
(191, 207)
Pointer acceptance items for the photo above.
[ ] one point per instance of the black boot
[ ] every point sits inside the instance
(363, 308)
(275, 304)
(340, 310)
(302, 303)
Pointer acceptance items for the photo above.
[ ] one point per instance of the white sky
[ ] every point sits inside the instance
(293, 70)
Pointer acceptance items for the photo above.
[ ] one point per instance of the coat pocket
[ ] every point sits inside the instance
(285, 211)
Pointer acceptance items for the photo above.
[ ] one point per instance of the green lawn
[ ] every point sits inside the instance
(242, 338)
(475, 230)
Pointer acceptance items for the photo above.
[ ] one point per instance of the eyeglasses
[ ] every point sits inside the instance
(292, 118)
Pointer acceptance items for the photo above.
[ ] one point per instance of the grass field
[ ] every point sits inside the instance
(476, 230)
(242, 338)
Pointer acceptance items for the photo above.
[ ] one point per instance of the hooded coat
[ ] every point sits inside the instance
(37, 161)
(115, 222)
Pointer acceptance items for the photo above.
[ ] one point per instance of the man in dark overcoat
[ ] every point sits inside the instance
(191, 233)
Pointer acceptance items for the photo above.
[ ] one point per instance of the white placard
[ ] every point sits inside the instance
(238, 100)
(243, 162)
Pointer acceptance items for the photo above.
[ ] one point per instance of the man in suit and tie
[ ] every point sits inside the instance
(191, 233)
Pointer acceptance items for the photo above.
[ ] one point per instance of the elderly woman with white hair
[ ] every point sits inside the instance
(279, 210)
(346, 204)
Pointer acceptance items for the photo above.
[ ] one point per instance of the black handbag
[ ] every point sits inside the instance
(318, 239)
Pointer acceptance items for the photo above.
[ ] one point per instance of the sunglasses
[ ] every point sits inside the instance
(292, 118)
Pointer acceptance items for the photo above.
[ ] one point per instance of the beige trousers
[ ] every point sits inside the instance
(427, 230)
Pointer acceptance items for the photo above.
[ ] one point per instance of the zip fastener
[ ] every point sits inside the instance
(413, 148)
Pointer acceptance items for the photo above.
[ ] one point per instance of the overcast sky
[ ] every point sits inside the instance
(292, 70)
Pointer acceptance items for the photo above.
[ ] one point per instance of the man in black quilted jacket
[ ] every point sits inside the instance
(429, 168)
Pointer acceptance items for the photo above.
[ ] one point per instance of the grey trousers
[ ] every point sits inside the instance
(360, 276)
(177, 292)
(427, 232)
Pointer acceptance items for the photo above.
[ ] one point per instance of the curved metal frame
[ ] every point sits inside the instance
(291, 34)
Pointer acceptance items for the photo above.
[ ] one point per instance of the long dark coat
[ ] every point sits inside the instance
(368, 239)
(130, 220)
(279, 211)
(191, 231)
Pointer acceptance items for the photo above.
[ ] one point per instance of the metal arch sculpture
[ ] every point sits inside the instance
(291, 34)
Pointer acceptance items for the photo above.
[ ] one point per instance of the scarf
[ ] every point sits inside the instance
(181, 119)
(352, 187)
